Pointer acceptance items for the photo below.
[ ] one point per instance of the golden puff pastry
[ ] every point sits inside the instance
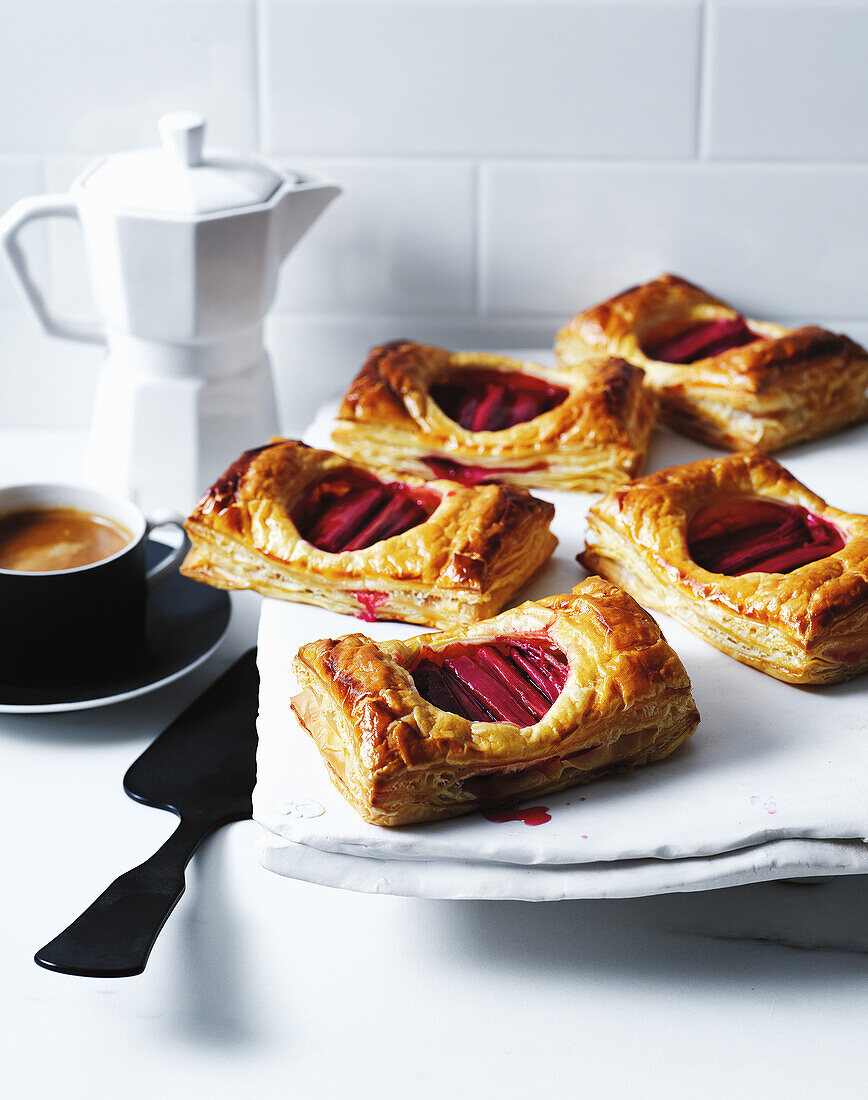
(724, 379)
(544, 696)
(477, 417)
(300, 524)
(747, 558)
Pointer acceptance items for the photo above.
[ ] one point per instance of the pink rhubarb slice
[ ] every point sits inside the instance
(368, 603)
(702, 341)
(352, 509)
(484, 400)
(506, 680)
(753, 535)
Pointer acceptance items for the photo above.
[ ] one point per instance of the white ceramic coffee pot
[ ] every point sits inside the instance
(183, 246)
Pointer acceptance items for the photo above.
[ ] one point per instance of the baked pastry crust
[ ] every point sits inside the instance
(594, 439)
(475, 550)
(789, 386)
(399, 759)
(808, 626)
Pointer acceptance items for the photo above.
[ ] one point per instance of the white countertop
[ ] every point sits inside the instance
(260, 986)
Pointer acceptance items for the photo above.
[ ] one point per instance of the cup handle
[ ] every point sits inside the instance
(173, 560)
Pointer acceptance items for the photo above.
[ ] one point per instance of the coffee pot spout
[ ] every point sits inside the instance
(299, 208)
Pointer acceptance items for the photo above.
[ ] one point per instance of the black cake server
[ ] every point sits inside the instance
(202, 767)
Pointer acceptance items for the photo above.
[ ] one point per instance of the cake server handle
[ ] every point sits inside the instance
(113, 937)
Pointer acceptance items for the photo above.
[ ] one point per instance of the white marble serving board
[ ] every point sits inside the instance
(769, 761)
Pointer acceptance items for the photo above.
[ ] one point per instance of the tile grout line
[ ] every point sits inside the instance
(703, 90)
(481, 281)
(258, 74)
(572, 162)
(477, 240)
(493, 160)
(328, 317)
(510, 317)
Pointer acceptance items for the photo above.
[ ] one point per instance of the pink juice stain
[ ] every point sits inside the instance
(533, 815)
(450, 470)
(370, 601)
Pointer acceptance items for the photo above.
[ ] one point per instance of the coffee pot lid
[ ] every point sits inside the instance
(180, 177)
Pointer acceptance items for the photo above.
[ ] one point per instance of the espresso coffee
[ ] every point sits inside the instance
(43, 540)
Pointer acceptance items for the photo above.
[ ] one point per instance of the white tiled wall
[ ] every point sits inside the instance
(505, 162)
(777, 240)
(481, 79)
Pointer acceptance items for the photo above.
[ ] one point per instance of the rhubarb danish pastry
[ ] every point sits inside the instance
(542, 697)
(746, 557)
(723, 378)
(300, 524)
(479, 418)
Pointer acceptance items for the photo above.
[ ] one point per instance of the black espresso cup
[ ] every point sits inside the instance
(84, 624)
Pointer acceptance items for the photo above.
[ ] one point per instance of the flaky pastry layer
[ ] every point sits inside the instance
(808, 626)
(477, 548)
(596, 438)
(789, 386)
(399, 759)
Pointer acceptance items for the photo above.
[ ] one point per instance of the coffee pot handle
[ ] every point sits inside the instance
(11, 224)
